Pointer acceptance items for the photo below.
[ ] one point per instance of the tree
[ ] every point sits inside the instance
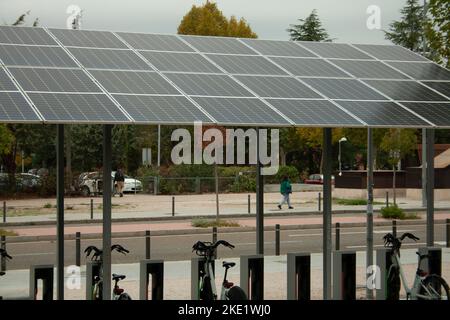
(437, 30)
(408, 31)
(208, 20)
(309, 29)
(398, 143)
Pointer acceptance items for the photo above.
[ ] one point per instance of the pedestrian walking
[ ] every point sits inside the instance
(285, 190)
(119, 180)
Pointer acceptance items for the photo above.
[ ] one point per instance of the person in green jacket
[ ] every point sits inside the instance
(285, 190)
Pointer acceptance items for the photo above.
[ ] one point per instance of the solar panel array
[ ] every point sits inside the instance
(73, 76)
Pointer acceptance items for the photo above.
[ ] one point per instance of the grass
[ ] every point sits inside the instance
(354, 202)
(7, 233)
(205, 223)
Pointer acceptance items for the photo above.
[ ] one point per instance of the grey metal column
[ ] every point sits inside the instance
(107, 212)
(369, 252)
(60, 210)
(259, 201)
(424, 168)
(430, 187)
(327, 213)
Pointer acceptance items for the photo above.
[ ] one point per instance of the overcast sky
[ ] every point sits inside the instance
(345, 20)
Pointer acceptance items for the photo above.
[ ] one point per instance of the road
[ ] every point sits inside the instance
(178, 247)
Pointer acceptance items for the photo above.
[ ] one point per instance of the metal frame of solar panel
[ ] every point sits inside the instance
(289, 83)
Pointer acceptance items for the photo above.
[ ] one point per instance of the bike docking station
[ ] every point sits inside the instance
(298, 276)
(44, 273)
(252, 276)
(155, 268)
(344, 275)
(433, 263)
(92, 271)
(385, 289)
(197, 270)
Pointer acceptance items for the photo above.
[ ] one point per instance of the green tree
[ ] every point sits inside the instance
(408, 31)
(208, 20)
(437, 30)
(309, 29)
(398, 143)
(6, 139)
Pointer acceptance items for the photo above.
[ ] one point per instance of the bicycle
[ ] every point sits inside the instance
(5, 255)
(425, 286)
(97, 290)
(207, 285)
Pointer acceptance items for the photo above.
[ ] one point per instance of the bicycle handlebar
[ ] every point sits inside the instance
(5, 254)
(207, 248)
(396, 243)
(98, 252)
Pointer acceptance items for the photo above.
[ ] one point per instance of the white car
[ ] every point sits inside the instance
(91, 183)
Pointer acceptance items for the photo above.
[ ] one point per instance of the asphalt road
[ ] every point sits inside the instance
(178, 247)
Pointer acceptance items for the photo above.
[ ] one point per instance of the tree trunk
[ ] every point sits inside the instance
(283, 155)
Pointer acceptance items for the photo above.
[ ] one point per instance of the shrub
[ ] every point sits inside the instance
(204, 223)
(393, 212)
(243, 183)
(48, 206)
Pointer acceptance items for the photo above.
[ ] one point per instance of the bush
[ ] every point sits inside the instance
(204, 223)
(243, 183)
(47, 205)
(393, 212)
(290, 171)
(48, 186)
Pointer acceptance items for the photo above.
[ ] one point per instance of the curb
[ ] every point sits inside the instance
(138, 234)
(190, 217)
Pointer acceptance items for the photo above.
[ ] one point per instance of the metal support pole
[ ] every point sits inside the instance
(173, 206)
(259, 201)
(216, 174)
(394, 228)
(337, 246)
(387, 199)
(159, 146)
(447, 232)
(424, 168)
(327, 226)
(248, 204)
(147, 244)
(78, 249)
(3, 259)
(4, 211)
(369, 253)
(92, 209)
(214, 240)
(277, 239)
(60, 210)
(320, 201)
(107, 211)
(430, 187)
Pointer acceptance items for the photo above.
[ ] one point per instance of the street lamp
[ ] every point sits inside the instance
(343, 139)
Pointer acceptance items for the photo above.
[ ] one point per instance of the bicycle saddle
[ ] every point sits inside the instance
(228, 264)
(2, 273)
(118, 276)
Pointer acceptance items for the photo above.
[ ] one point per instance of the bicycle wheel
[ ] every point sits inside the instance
(236, 293)
(434, 287)
(124, 296)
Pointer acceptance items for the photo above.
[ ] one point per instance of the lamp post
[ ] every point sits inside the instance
(343, 139)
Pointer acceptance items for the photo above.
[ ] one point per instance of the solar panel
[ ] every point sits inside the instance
(85, 38)
(156, 42)
(241, 111)
(55, 80)
(25, 35)
(369, 69)
(77, 108)
(109, 59)
(208, 85)
(161, 109)
(35, 56)
(218, 45)
(180, 62)
(310, 67)
(334, 50)
(278, 48)
(14, 108)
(344, 89)
(314, 112)
(133, 82)
(442, 87)
(246, 65)
(389, 52)
(437, 113)
(386, 114)
(6, 83)
(277, 87)
(405, 90)
(422, 71)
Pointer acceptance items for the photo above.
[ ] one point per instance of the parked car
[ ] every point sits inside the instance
(92, 183)
(317, 179)
(24, 181)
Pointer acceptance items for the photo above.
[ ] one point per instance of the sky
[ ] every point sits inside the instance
(345, 20)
